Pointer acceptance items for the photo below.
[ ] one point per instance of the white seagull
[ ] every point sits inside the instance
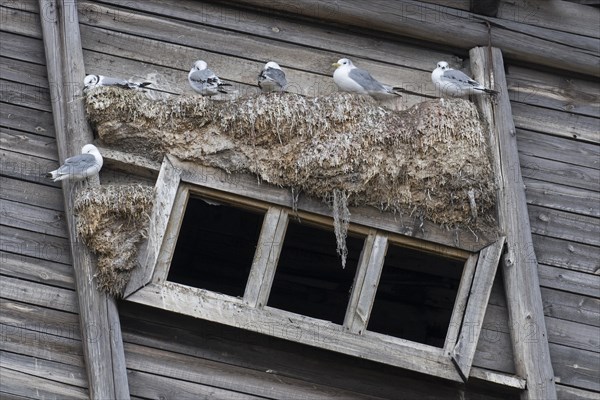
(100, 80)
(79, 167)
(349, 78)
(455, 83)
(204, 81)
(272, 78)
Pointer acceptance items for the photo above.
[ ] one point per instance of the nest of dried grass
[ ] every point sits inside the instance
(423, 161)
(112, 220)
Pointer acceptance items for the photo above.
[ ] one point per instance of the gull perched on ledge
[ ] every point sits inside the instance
(351, 79)
(79, 167)
(455, 83)
(204, 81)
(272, 78)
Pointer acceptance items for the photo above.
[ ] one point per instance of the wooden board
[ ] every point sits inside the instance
(564, 225)
(569, 281)
(32, 218)
(35, 245)
(23, 71)
(39, 294)
(30, 193)
(561, 197)
(566, 254)
(22, 384)
(34, 97)
(22, 119)
(571, 307)
(22, 48)
(548, 170)
(571, 393)
(36, 270)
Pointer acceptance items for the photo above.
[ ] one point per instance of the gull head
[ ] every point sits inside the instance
(199, 65)
(90, 80)
(443, 65)
(272, 64)
(342, 62)
(89, 148)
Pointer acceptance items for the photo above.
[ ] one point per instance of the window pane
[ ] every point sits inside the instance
(415, 296)
(310, 279)
(215, 247)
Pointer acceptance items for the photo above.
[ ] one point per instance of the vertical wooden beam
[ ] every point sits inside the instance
(100, 326)
(519, 264)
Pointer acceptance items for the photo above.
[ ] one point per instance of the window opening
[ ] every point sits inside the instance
(216, 246)
(416, 295)
(310, 279)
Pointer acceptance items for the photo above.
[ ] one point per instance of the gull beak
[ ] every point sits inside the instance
(336, 65)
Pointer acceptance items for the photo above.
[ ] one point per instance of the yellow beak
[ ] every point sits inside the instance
(336, 65)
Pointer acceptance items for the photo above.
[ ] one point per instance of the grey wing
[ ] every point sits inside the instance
(277, 76)
(364, 79)
(77, 163)
(108, 81)
(204, 76)
(459, 77)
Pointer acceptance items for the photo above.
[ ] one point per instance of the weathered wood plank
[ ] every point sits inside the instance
(227, 377)
(575, 367)
(462, 29)
(22, 48)
(27, 143)
(41, 345)
(366, 282)
(30, 193)
(105, 363)
(266, 258)
(554, 14)
(32, 218)
(39, 294)
(23, 119)
(558, 123)
(571, 393)
(571, 307)
(22, 71)
(54, 371)
(494, 351)
(566, 254)
(558, 172)
(532, 359)
(564, 225)
(34, 97)
(33, 244)
(21, 21)
(19, 383)
(551, 90)
(26, 167)
(564, 198)
(557, 148)
(36, 270)
(154, 386)
(166, 187)
(487, 265)
(40, 319)
(569, 281)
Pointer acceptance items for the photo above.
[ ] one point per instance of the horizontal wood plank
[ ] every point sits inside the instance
(26, 167)
(569, 281)
(572, 393)
(575, 367)
(36, 270)
(23, 119)
(27, 143)
(22, 48)
(558, 172)
(561, 197)
(571, 307)
(564, 225)
(32, 218)
(30, 96)
(39, 294)
(22, 22)
(566, 254)
(34, 244)
(30, 193)
(22, 384)
(24, 72)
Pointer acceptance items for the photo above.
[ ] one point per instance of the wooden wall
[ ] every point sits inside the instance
(41, 355)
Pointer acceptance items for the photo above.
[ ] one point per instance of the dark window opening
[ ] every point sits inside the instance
(310, 279)
(416, 296)
(216, 246)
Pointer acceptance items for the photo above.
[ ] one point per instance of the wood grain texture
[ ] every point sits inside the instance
(22, 119)
(35, 245)
(564, 225)
(29, 193)
(36, 270)
(569, 281)
(22, 384)
(563, 198)
(566, 254)
(22, 48)
(32, 218)
(519, 266)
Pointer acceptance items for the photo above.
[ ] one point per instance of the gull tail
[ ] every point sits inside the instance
(490, 91)
(52, 175)
(225, 84)
(144, 84)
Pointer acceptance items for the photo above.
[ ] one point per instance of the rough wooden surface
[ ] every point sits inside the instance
(519, 266)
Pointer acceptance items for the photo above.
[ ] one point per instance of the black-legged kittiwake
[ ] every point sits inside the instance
(349, 78)
(100, 80)
(79, 167)
(272, 78)
(204, 81)
(455, 83)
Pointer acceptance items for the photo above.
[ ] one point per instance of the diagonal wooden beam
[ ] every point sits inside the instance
(99, 318)
(519, 264)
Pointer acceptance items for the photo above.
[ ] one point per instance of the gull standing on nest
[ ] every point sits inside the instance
(455, 83)
(204, 81)
(349, 78)
(79, 167)
(272, 78)
(91, 81)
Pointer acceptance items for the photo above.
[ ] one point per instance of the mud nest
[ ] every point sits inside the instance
(112, 220)
(430, 161)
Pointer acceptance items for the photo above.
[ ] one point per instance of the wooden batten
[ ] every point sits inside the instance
(519, 264)
(99, 319)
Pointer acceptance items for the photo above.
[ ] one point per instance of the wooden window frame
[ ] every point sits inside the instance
(149, 285)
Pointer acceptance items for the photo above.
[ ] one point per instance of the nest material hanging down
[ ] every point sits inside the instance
(112, 220)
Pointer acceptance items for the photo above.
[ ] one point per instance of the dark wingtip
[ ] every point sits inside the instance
(225, 84)
(144, 84)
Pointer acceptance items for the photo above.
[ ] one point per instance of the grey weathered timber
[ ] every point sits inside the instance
(487, 264)
(266, 257)
(164, 198)
(460, 29)
(519, 265)
(28, 386)
(105, 361)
